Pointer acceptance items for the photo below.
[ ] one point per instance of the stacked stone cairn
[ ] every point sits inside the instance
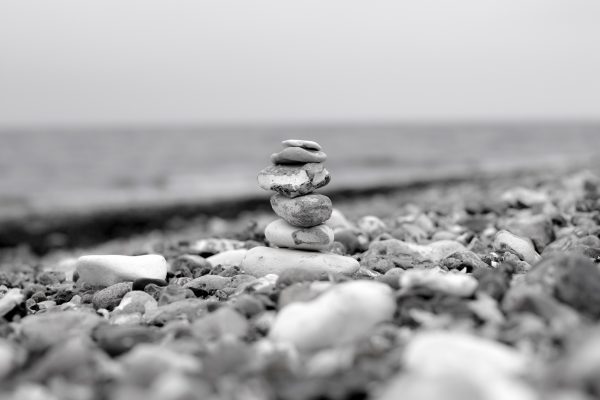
(299, 238)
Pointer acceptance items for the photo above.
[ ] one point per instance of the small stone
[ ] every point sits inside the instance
(522, 247)
(140, 284)
(106, 270)
(396, 253)
(216, 245)
(538, 228)
(230, 258)
(146, 362)
(293, 181)
(436, 353)
(40, 331)
(221, 323)
(297, 155)
(11, 299)
(136, 301)
(111, 296)
(281, 234)
(453, 283)
(261, 261)
(247, 305)
(190, 309)
(342, 315)
(118, 339)
(173, 293)
(524, 197)
(304, 211)
(579, 284)
(348, 239)
(207, 284)
(464, 260)
(297, 275)
(372, 226)
(190, 265)
(305, 144)
(51, 277)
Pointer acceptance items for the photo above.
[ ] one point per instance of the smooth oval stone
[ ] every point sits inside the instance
(298, 155)
(111, 296)
(136, 301)
(282, 234)
(453, 283)
(307, 144)
(106, 270)
(341, 315)
(523, 247)
(261, 261)
(304, 211)
(294, 180)
(227, 258)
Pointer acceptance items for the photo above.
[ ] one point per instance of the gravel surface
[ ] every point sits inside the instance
(472, 290)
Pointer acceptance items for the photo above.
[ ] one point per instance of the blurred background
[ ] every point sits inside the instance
(113, 105)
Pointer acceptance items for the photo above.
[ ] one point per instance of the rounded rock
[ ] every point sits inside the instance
(293, 180)
(305, 144)
(341, 315)
(111, 296)
(282, 234)
(106, 270)
(304, 211)
(261, 261)
(298, 155)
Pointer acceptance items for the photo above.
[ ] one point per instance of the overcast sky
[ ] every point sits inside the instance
(147, 62)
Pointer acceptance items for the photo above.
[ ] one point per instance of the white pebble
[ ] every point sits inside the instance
(106, 270)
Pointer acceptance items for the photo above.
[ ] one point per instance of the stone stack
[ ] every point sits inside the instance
(299, 235)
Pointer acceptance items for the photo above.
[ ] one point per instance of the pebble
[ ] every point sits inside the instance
(207, 284)
(342, 315)
(222, 323)
(190, 265)
(372, 226)
(136, 301)
(140, 284)
(106, 270)
(348, 239)
(261, 261)
(453, 283)
(293, 181)
(173, 293)
(190, 309)
(306, 144)
(281, 234)
(215, 245)
(298, 155)
(521, 196)
(40, 331)
(230, 258)
(537, 228)
(304, 211)
(119, 339)
(10, 299)
(522, 247)
(146, 362)
(12, 356)
(111, 296)
(400, 253)
(296, 275)
(464, 260)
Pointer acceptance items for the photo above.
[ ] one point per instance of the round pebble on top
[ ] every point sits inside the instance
(298, 155)
(307, 144)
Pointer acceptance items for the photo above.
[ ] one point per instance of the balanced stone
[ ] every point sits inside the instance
(282, 234)
(306, 144)
(304, 211)
(294, 180)
(261, 261)
(298, 155)
(106, 270)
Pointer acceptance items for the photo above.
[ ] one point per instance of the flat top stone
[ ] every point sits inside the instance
(298, 155)
(307, 144)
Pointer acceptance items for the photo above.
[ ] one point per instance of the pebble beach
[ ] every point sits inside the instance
(478, 289)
